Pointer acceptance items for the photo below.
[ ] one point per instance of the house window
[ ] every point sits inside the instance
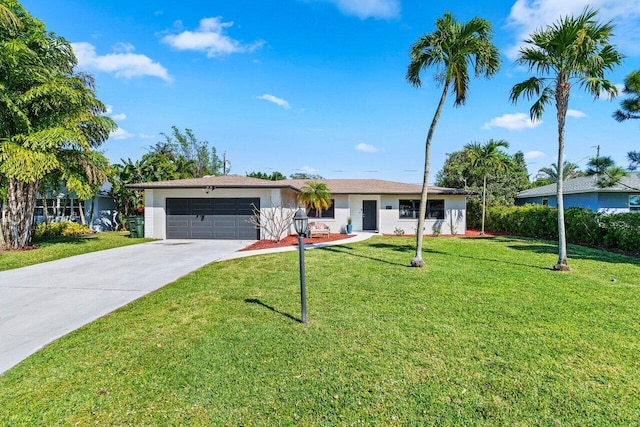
(325, 213)
(545, 202)
(634, 203)
(410, 209)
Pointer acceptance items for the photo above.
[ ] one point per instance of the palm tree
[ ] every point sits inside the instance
(550, 173)
(572, 50)
(451, 49)
(315, 195)
(484, 159)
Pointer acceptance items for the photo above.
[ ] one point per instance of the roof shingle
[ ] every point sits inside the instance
(584, 184)
(336, 186)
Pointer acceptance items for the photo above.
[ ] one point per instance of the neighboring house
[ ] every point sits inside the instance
(100, 212)
(219, 207)
(62, 205)
(583, 192)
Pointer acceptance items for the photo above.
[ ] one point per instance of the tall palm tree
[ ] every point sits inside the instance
(451, 49)
(485, 159)
(315, 195)
(572, 50)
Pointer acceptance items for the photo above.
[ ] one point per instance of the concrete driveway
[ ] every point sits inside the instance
(41, 303)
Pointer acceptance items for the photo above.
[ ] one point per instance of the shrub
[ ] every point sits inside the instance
(622, 231)
(63, 228)
(74, 229)
(530, 220)
(583, 226)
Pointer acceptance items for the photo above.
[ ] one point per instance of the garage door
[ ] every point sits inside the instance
(211, 219)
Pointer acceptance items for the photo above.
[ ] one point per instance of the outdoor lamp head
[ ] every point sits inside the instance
(300, 221)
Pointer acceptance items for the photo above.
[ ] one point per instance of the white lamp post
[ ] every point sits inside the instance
(300, 222)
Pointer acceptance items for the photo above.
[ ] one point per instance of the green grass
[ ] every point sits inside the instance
(485, 334)
(62, 247)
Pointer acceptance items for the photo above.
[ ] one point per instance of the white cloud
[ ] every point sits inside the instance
(366, 148)
(122, 63)
(363, 9)
(576, 114)
(605, 95)
(529, 15)
(210, 38)
(120, 116)
(121, 134)
(108, 109)
(278, 101)
(534, 155)
(515, 121)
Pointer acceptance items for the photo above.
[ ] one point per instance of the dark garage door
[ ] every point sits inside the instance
(211, 219)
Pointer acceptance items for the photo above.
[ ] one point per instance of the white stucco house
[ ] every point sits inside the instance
(219, 207)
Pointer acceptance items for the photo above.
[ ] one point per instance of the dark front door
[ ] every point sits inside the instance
(369, 215)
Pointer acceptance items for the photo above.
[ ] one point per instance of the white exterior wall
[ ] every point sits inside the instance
(345, 205)
(355, 209)
(155, 215)
(455, 221)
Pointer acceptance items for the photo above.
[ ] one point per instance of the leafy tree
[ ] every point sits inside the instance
(634, 159)
(127, 201)
(50, 120)
(274, 176)
(451, 49)
(303, 175)
(315, 195)
(486, 160)
(607, 172)
(549, 174)
(193, 156)
(572, 50)
(457, 172)
(630, 107)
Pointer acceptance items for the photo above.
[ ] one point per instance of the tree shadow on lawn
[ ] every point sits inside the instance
(398, 248)
(581, 252)
(537, 248)
(501, 261)
(258, 302)
(75, 240)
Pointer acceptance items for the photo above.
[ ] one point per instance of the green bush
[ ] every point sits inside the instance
(530, 220)
(63, 228)
(622, 231)
(583, 226)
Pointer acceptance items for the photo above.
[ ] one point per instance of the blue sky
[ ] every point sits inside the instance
(318, 86)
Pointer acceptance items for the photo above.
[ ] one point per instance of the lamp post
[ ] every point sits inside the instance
(300, 222)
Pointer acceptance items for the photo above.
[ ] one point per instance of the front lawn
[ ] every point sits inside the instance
(485, 334)
(54, 248)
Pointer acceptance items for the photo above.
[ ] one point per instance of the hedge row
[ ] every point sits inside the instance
(583, 226)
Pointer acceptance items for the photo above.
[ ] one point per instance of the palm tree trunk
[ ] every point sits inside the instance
(562, 101)
(484, 201)
(417, 261)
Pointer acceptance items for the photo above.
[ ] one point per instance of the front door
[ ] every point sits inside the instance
(369, 215)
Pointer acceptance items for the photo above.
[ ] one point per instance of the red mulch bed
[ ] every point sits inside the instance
(293, 241)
